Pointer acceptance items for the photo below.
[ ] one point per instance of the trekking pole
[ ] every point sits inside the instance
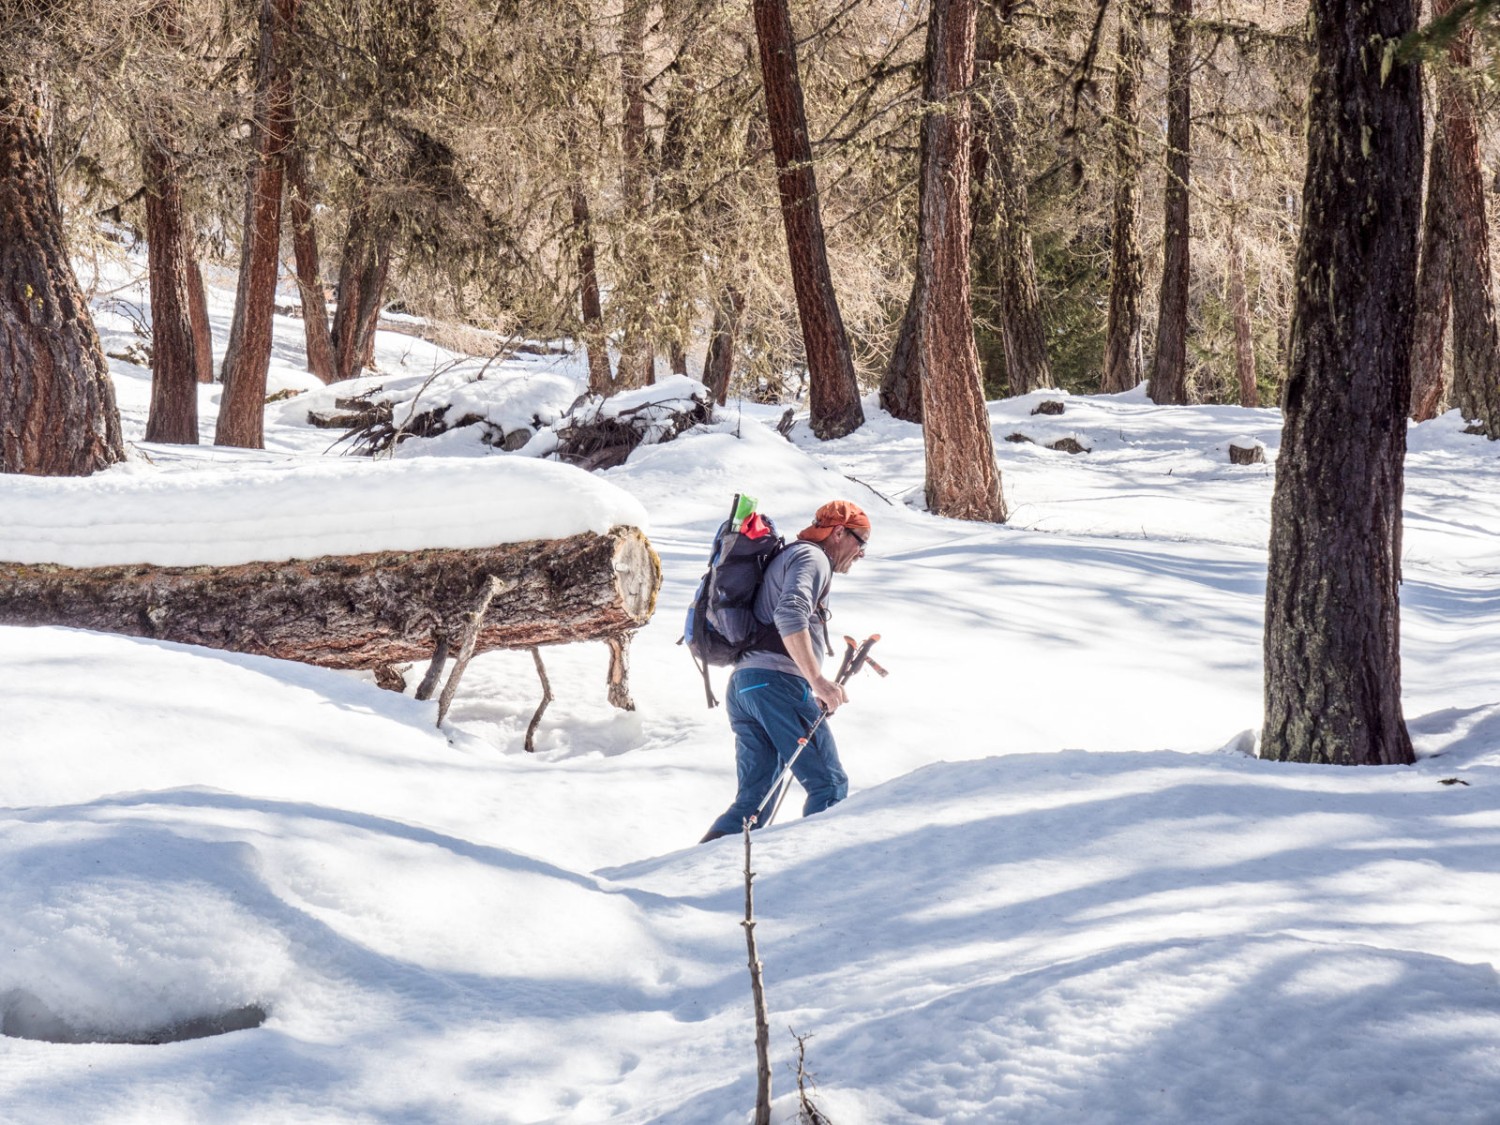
(855, 658)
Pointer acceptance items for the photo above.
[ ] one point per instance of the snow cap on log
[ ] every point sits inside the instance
(226, 516)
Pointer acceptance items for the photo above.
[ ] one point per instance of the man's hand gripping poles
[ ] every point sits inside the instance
(856, 656)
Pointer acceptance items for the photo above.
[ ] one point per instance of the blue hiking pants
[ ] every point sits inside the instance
(768, 712)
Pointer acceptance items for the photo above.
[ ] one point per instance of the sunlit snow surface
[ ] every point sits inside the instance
(1060, 892)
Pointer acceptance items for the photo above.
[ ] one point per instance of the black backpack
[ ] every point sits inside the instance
(721, 625)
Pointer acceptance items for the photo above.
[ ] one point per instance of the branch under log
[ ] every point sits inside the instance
(356, 611)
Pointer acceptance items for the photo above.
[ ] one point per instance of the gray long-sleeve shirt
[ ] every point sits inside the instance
(796, 584)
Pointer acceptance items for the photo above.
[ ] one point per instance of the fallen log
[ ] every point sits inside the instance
(356, 611)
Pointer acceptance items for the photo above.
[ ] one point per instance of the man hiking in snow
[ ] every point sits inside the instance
(778, 688)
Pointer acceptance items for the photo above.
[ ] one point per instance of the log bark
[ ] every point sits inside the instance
(242, 415)
(901, 387)
(833, 390)
(1169, 367)
(57, 405)
(356, 611)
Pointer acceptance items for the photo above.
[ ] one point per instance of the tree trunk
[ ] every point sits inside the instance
(1122, 337)
(963, 481)
(57, 405)
(1003, 207)
(363, 267)
(174, 350)
(833, 391)
(718, 366)
(203, 335)
(1332, 641)
(242, 412)
(1476, 341)
(319, 342)
(637, 367)
(595, 342)
(355, 611)
(176, 366)
(1239, 311)
(1169, 368)
(901, 389)
(1433, 274)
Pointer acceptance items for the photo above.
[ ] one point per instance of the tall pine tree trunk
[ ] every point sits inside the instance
(963, 481)
(901, 388)
(176, 367)
(57, 405)
(315, 334)
(203, 335)
(595, 341)
(363, 266)
(1122, 335)
(1239, 311)
(833, 390)
(174, 349)
(1476, 341)
(1169, 368)
(1332, 641)
(1433, 274)
(1003, 208)
(718, 365)
(637, 367)
(242, 412)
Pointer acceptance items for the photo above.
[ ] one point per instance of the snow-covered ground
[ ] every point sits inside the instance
(1062, 889)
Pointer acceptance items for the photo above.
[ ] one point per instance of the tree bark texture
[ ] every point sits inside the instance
(242, 413)
(203, 335)
(901, 388)
(1239, 311)
(175, 364)
(356, 611)
(57, 405)
(1123, 362)
(963, 481)
(833, 391)
(718, 365)
(1003, 207)
(315, 334)
(1476, 341)
(1433, 274)
(595, 341)
(174, 348)
(363, 267)
(637, 366)
(1332, 643)
(1169, 367)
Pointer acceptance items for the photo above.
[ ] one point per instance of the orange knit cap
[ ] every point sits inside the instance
(835, 513)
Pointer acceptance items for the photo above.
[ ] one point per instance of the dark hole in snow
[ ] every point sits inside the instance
(24, 1016)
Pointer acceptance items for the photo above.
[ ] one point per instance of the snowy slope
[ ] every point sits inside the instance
(1061, 890)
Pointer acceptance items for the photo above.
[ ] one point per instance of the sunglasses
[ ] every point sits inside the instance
(862, 540)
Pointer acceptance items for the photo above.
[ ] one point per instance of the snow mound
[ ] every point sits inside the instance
(225, 515)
